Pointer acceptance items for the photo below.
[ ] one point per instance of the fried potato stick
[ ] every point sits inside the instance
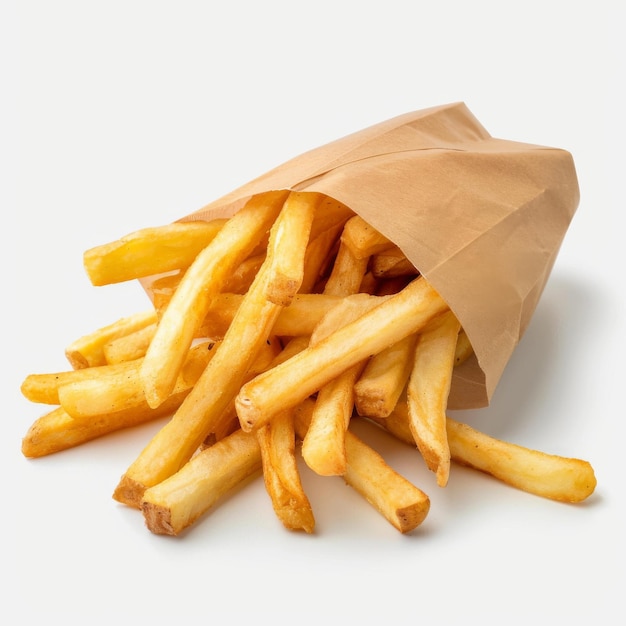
(323, 447)
(291, 382)
(401, 503)
(57, 431)
(115, 389)
(564, 479)
(149, 251)
(178, 502)
(212, 394)
(130, 347)
(428, 388)
(384, 378)
(44, 388)
(88, 350)
(277, 441)
(291, 234)
(205, 277)
(362, 239)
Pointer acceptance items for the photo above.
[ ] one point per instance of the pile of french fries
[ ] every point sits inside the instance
(269, 332)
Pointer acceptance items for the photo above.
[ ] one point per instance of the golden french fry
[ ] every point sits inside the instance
(323, 447)
(551, 476)
(88, 350)
(281, 476)
(547, 475)
(176, 503)
(149, 251)
(291, 382)
(393, 496)
(57, 431)
(205, 277)
(428, 388)
(347, 273)
(111, 389)
(384, 378)
(291, 235)
(44, 388)
(130, 347)
(362, 239)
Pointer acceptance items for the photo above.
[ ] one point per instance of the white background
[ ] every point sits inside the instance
(120, 115)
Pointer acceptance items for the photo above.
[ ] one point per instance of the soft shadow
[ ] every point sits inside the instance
(555, 342)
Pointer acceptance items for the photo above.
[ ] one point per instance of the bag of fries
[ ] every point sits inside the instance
(388, 276)
(481, 218)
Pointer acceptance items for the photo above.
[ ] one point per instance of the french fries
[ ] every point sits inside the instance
(270, 332)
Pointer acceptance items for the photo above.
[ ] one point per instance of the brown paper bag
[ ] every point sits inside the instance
(481, 218)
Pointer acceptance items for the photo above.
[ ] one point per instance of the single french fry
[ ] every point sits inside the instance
(130, 347)
(347, 273)
(323, 447)
(291, 382)
(88, 350)
(291, 233)
(401, 503)
(281, 476)
(362, 239)
(564, 479)
(57, 431)
(547, 475)
(241, 279)
(116, 388)
(44, 388)
(178, 502)
(149, 251)
(205, 277)
(428, 388)
(216, 388)
(384, 378)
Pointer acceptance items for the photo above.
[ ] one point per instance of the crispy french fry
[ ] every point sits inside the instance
(291, 235)
(323, 447)
(384, 378)
(149, 251)
(57, 431)
(88, 350)
(428, 388)
(118, 388)
(176, 503)
(44, 388)
(291, 382)
(205, 277)
(564, 479)
(362, 239)
(281, 476)
(216, 388)
(130, 347)
(393, 496)
(547, 475)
